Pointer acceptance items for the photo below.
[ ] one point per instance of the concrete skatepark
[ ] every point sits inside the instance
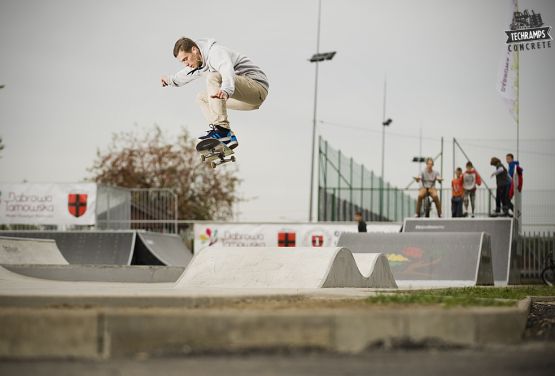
(122, 309)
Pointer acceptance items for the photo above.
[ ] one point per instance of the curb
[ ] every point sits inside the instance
(102, 333)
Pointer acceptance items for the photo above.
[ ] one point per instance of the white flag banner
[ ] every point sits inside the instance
(277, 235)
(48, 204)
(508, 71)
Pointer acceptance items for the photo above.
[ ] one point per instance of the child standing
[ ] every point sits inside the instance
(471, 179)
(458, 193)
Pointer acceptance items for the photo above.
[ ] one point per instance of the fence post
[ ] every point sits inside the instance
(372, 193)
(362, 189)
(351, 189)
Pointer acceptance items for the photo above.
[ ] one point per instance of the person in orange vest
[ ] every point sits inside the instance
(457, 194)
(471, 179)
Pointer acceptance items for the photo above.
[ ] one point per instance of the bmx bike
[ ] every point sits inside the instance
(548, 273)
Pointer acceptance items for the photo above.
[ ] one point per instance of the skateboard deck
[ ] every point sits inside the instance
(215, 152)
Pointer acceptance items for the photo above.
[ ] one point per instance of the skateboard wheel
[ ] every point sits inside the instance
(202, 158)
(213, 164)
(232, 158)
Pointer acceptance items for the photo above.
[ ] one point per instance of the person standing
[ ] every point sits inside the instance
(471, 179)
(503, 183)
(457, 194)
(361, 223)
(514, 166)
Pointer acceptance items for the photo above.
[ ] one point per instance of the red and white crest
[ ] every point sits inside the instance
(77, 204)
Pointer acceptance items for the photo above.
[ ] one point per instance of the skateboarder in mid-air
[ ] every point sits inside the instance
(233, 81)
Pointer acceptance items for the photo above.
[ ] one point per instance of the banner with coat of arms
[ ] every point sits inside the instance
(278, 234)
(48, 204)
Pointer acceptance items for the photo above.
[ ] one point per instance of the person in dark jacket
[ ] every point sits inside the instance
(503, 184)
(361, 223)
(514, 167)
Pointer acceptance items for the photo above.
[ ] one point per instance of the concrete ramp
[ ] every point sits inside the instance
(114, 247)
(100, 273)
(30, 251)
(88, 247)
(275, 267)
(500, 230)
(429, 259)
(167, 248)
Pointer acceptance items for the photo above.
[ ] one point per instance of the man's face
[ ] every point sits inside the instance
(191, 59)
(430, 165)
(509, 159)
(458, 173)
(468, 168)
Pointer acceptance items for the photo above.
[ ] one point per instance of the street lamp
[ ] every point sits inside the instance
(385, 123)
(316, 58)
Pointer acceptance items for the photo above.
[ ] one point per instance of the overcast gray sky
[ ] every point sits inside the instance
(77, 71)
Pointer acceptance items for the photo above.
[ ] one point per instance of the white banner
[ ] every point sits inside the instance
(48, 204)
(277, 235)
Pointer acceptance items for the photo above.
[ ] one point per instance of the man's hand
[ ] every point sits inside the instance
(220, 95)
(417, 178)
(165, 81)
(440, 180)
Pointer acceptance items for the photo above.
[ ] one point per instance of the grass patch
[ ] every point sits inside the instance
(464, 297)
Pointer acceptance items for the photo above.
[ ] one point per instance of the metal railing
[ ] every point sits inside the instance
(536, 248)
(147, 209)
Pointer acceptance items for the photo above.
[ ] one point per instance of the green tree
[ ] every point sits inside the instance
(148, 160)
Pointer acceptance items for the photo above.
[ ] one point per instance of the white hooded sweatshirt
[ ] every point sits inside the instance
(217, 58)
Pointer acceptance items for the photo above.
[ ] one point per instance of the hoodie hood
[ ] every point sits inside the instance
(205, 45)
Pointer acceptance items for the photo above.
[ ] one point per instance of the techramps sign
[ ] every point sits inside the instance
(429, 259)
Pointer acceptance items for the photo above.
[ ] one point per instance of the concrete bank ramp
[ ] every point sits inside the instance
(501, 232)
(275, 267)
(429, 259)
(30, 251)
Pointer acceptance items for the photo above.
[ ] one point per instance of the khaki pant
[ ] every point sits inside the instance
(422, 194)
(249, 95)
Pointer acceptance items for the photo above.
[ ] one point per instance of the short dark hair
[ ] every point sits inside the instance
(183, 44)
(511, 155)
(494, 161)
(359, 213)
(469, 164)
(430, 159)
(459, 169)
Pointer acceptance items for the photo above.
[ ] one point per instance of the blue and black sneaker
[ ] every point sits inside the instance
(226, 136)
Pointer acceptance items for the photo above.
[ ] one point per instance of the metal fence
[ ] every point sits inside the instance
(145, 209)
(536, 249)
(346, 187)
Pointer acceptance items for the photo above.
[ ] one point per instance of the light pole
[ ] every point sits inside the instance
(386, 123)
(316, 58)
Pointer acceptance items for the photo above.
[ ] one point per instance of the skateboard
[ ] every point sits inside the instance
(214, 152)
